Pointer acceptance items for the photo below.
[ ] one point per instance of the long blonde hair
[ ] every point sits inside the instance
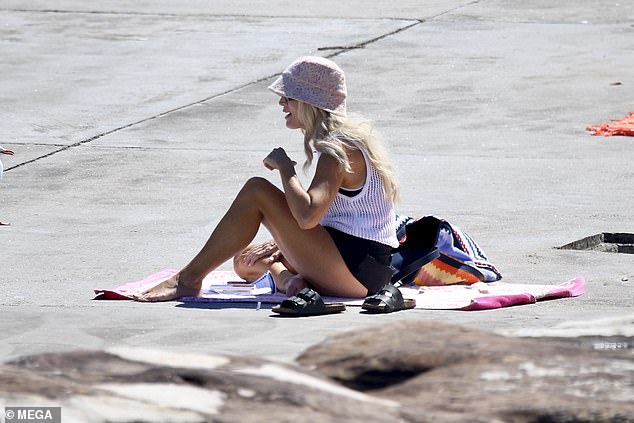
(327, 133)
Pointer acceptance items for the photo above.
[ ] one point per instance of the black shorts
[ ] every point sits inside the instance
(368, 261)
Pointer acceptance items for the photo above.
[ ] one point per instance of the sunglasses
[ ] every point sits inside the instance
(285, 100)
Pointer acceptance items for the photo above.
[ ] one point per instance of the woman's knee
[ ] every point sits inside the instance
(248, 273)
(257, 185)
(238, 266)
(261, 192)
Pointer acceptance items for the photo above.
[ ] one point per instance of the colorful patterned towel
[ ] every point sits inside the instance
(227, 287)
(624, 126)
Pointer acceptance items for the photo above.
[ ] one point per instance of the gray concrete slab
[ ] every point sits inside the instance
(88, 74)
(262, 9)
(149, 116)
(544, 11)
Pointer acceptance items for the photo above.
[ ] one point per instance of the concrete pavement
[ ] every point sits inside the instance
(134, 125)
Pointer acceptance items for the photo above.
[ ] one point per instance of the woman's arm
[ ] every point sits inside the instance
(307, 206)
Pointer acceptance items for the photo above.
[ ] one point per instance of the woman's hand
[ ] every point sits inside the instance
(268, 249)
(278, 159)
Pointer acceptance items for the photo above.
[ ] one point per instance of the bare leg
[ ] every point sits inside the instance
(233, 233)
(295, 284)
(280, 273)
(286, 280)
(311, 252)
(250, 273)
(276, 264)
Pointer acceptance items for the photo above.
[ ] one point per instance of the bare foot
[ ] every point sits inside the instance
(169, 289)
(294, 284)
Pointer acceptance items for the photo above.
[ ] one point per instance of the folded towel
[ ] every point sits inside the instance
(624, 126)
(461, 260)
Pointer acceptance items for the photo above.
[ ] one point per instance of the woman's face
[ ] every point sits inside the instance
(291, 108)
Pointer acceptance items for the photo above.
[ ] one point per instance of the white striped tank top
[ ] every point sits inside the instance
(368, 215)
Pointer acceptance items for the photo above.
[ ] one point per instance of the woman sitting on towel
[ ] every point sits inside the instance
(335, 236)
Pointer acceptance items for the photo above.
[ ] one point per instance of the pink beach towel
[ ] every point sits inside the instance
(226, 287)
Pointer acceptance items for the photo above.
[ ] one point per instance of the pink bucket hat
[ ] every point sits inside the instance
(316, 81)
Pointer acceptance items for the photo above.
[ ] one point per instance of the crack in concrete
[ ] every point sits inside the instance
(341, 50)
(373, 40)
(129, 125)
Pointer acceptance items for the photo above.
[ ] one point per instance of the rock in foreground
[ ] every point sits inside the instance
(401, 372)
(130, 385)
(441, 372)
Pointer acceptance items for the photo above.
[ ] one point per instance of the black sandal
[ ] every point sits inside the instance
(307, 302)
(387, 300)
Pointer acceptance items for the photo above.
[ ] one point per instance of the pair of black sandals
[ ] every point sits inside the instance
(389, 299)
(307, 302)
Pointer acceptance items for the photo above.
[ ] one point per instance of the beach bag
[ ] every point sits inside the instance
(434, 252)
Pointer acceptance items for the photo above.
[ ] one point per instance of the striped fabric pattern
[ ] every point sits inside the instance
(461, 260)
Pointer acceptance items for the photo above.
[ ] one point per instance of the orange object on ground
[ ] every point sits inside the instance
(623, 126)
